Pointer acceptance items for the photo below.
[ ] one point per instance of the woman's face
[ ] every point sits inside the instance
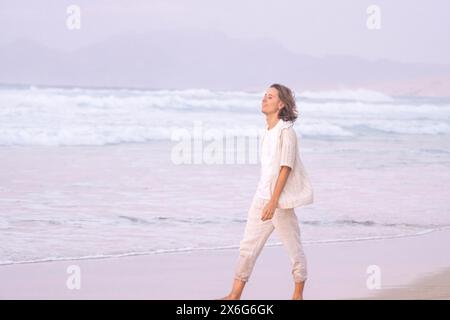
(271, 103)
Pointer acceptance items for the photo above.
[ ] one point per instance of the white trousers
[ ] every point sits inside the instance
(285, 222)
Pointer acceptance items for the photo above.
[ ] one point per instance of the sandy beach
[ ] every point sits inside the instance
(162, 230)
(416, 267)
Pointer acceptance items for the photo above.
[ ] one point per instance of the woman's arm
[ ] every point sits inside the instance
(269, 208)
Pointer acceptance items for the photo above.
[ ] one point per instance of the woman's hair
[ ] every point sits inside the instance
(287, 96)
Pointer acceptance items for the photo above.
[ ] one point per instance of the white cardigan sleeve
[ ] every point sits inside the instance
(288, 147)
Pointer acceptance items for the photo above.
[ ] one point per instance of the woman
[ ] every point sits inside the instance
(283, 185)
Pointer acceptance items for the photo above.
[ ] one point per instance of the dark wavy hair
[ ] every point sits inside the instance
(287, 96)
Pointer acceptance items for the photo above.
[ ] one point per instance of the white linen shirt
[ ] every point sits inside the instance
(285, 152)
(268, 149)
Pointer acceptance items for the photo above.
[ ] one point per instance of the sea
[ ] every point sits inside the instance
(90, 173)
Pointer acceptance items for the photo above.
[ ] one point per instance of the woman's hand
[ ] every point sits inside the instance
(269, 210)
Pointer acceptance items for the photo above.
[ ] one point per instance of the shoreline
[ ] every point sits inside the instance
(232, 247)
(336, 271)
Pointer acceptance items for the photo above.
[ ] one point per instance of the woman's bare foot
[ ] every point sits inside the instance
(236, 290)
(230, 297)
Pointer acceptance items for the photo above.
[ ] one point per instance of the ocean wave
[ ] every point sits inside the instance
(71, 117)
(198, 249)
(352, 95)
(367, 223)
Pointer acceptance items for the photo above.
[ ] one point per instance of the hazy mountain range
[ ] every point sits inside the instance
(167, 59)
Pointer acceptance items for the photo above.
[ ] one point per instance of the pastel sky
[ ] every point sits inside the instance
(411, 30)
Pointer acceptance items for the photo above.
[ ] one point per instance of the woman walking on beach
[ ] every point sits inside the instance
(283, 185)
